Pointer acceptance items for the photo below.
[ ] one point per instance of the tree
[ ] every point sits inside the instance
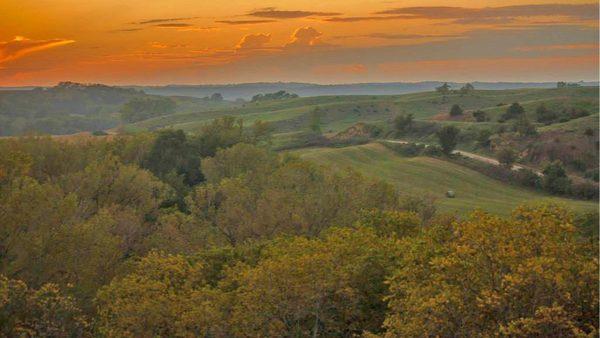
(515, 110)
(480, 116)
(330, 286)
(555, 178)
(506, 156)
(165, 295)
(524, 127)
(403, 122)
(456, 110)
(173, 153)
(443, 89)
(483, 138)
(544, 115)
(44, 312)
(448, 138)
(217, 97)
(527, 275)
(466, 89)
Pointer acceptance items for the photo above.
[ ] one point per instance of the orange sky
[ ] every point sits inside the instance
(189, 41)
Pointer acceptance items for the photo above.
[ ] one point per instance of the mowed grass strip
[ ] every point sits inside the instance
(425, 175)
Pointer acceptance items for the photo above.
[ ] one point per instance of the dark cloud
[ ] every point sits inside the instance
(162, 20)
(391, 36)
(244, 22)
(367, 18)
(126, 30)
(173, 25)
(497, 14)
(273, 13)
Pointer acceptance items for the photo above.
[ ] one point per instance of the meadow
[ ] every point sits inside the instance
(434, 177)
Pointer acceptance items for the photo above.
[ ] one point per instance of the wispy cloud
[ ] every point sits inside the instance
(173, 25)
(163, 20)
(497, 14)
(273, 13)
(244, 22)
(398, 36)
(367, 18)
(20, 46)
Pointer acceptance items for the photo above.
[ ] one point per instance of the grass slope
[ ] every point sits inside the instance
(340, 112)
(424, 175)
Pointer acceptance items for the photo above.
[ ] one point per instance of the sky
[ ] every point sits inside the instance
(158, 42)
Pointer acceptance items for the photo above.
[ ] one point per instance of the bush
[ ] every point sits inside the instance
(585, 190)
(480, 116)
(528, 178)
(456, 110)
(555, 179)
(515, 110)
(592, 174)
(483, 138)
(506, 156)
(448, 138)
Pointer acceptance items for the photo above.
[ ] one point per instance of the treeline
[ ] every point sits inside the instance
(63, 109)
(171, 234)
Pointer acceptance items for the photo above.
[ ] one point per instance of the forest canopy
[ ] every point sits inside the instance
(213, 234)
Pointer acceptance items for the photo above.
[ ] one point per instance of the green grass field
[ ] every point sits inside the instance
(340, 112)
(425, 175)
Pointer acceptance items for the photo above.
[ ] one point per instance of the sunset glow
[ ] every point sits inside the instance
(195, 42)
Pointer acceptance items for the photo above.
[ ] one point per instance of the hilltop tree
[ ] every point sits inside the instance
(443, 89)
(217, 97)
(466, 89)
(448, 138)
(456, 110)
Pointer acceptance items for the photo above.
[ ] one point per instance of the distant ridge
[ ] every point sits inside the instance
(247, 90)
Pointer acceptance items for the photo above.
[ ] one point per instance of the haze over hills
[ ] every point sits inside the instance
(247, 90)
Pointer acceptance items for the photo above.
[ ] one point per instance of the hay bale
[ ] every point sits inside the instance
(450, 194)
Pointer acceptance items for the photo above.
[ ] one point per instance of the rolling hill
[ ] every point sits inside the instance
(432, 176)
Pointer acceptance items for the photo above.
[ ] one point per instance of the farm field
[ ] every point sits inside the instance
(425, 175)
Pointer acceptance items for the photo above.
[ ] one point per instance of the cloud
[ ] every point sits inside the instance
(19, 46)
(163, 20)
(254, 41)
(393, 36)
(497, 14)
(304, 37)
(173, 25)
(244, 22)
(273, 13)
(368, 18)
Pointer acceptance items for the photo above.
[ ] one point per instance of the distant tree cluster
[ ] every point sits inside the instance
(142, 108)
(280, 95)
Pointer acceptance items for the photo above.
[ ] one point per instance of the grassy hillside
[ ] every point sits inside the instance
(424, 175)
(339, 112)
